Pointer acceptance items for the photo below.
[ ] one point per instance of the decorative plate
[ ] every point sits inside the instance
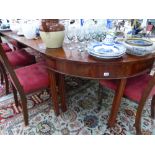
(105, 57)
(139, 42)
(101, 50)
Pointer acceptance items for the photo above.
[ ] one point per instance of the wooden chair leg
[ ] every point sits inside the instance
(6, 79)
(142, 102)
(153, 108)
(15, 95)
(138, 123)
(1, 72)
(139, 115)
(2, 79)
(24, 108)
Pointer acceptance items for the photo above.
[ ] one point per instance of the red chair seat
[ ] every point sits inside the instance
(33, 77)
(6, 47)
(134, 87)
(20, 58)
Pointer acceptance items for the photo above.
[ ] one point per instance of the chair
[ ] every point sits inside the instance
(25, 80)
(6, 48)
(20, 58)
(17, 58)
(138, 89)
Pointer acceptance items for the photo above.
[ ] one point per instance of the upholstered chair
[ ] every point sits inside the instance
(137, 89)
(25, 80)
(18, 58)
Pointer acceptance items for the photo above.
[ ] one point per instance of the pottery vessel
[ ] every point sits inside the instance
(52, 33)
(14, 26)
(139, 46)
(29, 30)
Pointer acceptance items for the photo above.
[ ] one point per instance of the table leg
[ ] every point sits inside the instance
(116, 102)
(53, 89)
(61, 86)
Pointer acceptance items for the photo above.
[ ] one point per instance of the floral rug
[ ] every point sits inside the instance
(82, 118)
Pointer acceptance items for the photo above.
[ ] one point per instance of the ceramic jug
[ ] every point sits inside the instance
(29, 30)
(52, 33)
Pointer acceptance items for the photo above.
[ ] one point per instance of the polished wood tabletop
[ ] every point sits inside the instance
(35, 44)
(64, 61)
(82, 64)
(112, 68)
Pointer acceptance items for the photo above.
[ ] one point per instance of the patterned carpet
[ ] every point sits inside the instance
(82, 117)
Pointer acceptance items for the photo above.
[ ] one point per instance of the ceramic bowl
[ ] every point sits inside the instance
(139, 46)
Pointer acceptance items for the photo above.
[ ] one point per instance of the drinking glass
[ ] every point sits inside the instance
(92, 32)
(80, 38)
(100, 33)
(87, 37)
(70, 35)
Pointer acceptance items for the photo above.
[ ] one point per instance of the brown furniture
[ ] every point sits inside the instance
(4, 79)
(17, 58)
(137, 89)
(72, 63)
(25, 80)
(6, 48)
(61, 61)
(22, 42)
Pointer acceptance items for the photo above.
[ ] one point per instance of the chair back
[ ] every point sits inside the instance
(148, 88)
(4, 60)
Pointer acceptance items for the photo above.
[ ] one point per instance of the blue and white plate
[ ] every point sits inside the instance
(105, 57)
(101, 50)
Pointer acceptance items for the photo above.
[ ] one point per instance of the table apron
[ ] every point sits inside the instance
(100, 71)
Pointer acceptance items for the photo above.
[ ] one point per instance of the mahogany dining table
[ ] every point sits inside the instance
(63, 61)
